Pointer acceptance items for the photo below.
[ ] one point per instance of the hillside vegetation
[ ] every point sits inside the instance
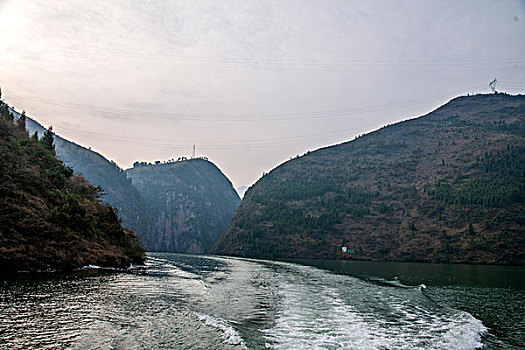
(49, 217)
(445, 187)
(190, 202)
(117, 188)
(189, 224)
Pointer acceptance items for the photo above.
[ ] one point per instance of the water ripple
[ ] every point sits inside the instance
(197, 302)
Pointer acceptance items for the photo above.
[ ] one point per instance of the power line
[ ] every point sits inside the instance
(224, 144)
(512, 84)
(292, 64)
(328, 137)
(255, 117)
(254, 143)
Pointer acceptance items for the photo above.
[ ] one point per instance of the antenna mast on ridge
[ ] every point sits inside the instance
(193, 153)
(492, 85)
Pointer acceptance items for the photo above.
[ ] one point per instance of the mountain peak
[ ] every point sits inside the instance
(417, 190)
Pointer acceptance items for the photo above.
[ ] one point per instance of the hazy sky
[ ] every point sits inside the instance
(250, 83)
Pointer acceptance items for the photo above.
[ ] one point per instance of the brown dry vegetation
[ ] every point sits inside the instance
(50, 218)
(446, 187)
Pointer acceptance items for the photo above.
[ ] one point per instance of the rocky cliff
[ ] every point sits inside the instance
(49, 217)
(117, 188)
(190, 202)
(445, 187)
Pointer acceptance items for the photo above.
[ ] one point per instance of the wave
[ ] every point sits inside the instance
(467, 334)
(338, 311)
(395, 282)
(132, 267)
(229, 335)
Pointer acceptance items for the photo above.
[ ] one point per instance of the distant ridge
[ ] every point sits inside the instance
(118, 190)
(445, 187)
(190, 202)
(193, 223)
(51, 219)
(192, 226)
(241, 190)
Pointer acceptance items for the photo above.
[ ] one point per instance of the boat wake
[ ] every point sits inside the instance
(340, 311)
(230, 336)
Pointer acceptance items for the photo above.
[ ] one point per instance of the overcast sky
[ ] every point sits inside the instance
(250, 83)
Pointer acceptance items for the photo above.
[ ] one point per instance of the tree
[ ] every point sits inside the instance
(48, 139)
(22, 121)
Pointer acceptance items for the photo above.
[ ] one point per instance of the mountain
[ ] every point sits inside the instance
(445, 187)
(190, 202)
(49, 217)
(194, 235)
(118, 190)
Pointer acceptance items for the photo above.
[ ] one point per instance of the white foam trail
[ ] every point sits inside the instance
(315, 315)
(467, 334)
(96, 267)
(229, 335)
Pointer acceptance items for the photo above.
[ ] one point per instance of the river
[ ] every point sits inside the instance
(202, 302)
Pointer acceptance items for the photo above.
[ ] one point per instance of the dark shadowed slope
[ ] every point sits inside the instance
(190, 202)
(446, 187)
(118, 190)
(50, 218)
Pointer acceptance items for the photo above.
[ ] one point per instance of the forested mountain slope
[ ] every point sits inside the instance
(49, 217)
(445, 187)
(118, 190)
(193, 224)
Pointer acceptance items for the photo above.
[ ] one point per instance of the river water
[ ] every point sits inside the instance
(202, 302)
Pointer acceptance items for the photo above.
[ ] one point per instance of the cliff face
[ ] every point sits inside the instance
(50, 218)
(118, 190)
(195, 206)
(446, 187)
(190, 203)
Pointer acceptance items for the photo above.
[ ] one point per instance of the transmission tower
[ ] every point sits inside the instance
(492, 85)
(193, 153)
